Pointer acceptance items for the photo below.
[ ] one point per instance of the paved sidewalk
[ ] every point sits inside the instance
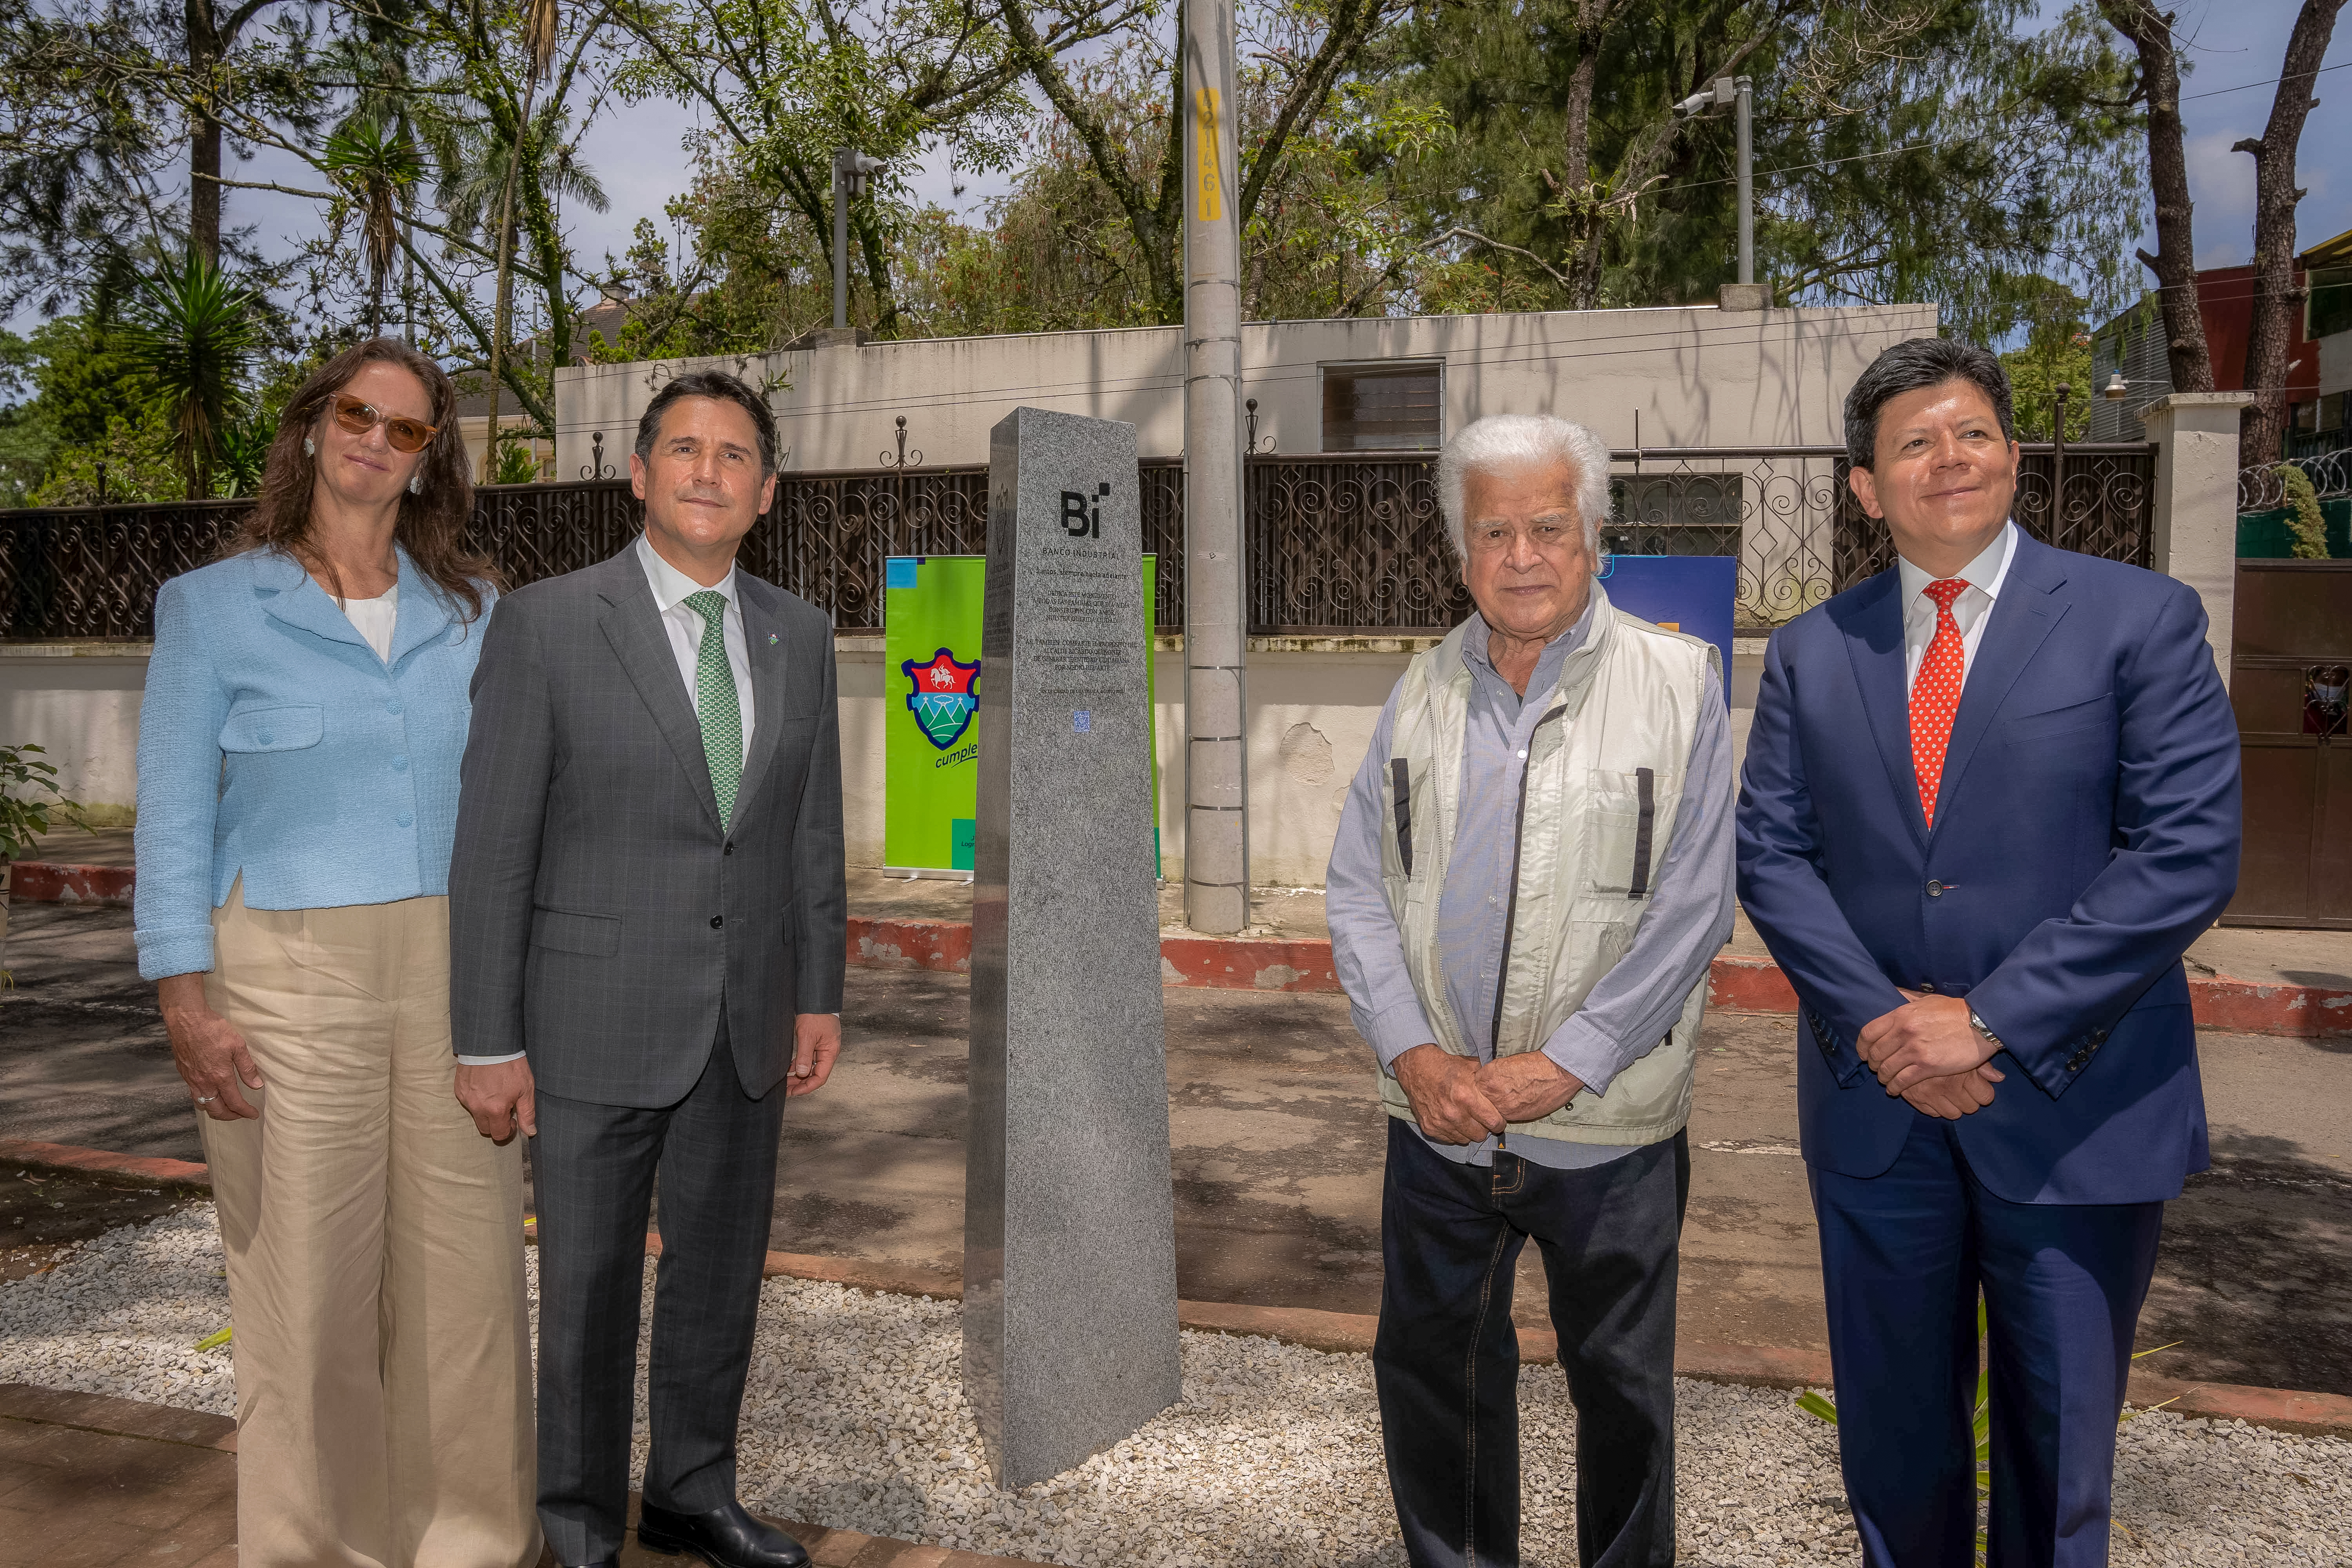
(1279, 1148)
(86, 1480)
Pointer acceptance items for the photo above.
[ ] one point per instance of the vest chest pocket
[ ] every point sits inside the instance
(1620, 811)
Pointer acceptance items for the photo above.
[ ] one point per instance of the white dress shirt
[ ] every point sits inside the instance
(1984, 577)
(685, 625)
(375, 618)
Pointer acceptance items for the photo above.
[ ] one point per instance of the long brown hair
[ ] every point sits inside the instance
(432, 524)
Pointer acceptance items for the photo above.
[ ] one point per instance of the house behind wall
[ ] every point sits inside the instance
(1694, 375)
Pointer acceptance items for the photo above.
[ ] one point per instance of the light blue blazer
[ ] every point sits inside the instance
(275, 746)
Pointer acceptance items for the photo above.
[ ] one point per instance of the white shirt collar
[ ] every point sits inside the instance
(671, 585)
(1985, 573)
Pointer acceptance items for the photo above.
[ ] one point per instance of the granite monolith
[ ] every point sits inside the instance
(1069, 1216)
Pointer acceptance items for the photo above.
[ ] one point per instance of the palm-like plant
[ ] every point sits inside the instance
(373, 164)
(190, 335)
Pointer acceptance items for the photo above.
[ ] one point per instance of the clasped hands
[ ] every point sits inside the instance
(1458, 1101)
(1929, 1052)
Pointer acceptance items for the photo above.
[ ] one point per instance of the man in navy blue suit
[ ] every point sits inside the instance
(1991, 796)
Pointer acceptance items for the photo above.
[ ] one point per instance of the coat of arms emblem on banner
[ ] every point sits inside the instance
(941, 700)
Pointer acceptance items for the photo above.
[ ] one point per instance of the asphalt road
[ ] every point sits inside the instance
(1278, 1146)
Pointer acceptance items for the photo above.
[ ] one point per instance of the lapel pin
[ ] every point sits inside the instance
(772, 639)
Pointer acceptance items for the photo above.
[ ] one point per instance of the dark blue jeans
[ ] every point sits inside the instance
(1446, 1361)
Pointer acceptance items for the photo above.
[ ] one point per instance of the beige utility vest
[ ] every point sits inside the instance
(1604, 777)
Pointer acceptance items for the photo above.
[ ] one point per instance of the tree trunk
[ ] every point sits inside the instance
(2175, 261)
(204, 45)
(1576, 181)
(501, 312)
(2278, 296)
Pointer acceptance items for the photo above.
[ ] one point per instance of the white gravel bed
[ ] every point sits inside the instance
(854, 1419)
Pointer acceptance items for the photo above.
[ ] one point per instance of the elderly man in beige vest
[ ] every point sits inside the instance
(1533, 870)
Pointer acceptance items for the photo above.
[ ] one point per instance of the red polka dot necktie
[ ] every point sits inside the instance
(1936, 694)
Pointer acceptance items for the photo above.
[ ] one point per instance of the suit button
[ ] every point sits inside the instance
(2075, 1062)
(400, 764)
(1935, 890)
(728, 850)
(717, 920)
(266, 739)
(1927, 987)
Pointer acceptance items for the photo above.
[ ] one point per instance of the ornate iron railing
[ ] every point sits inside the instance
(1334, 543)
(94, 572)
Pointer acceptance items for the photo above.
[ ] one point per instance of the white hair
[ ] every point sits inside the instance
(1516, 441)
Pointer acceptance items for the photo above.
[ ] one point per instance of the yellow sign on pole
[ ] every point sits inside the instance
(1205, 126)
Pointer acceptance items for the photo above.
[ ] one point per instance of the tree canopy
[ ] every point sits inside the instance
(1398, 156)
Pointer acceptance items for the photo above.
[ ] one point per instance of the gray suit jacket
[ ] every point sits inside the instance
(601, 915)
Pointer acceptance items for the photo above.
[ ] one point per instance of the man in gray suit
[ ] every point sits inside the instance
(647, 931)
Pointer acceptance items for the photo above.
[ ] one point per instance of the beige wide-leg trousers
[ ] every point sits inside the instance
(375, 1241)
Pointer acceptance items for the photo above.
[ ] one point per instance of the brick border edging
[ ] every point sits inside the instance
(1755, 1366)
(1738, 983)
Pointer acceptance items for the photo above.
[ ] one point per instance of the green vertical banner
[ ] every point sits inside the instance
(930, 704)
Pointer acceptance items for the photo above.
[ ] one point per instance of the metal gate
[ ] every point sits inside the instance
(2290, 663)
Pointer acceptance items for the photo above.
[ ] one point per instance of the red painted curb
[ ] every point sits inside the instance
(1738, 983)
(910, 944)
(48, 882)
(103, 1162)
(1246, 964)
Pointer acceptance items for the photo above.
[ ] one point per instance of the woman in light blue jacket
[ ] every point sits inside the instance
(305, 712)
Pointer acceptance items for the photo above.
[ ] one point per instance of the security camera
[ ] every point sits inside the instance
(1722, 89)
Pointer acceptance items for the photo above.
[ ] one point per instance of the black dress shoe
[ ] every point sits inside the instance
(726, 1537)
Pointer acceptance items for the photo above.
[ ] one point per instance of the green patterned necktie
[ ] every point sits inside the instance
(715, 702)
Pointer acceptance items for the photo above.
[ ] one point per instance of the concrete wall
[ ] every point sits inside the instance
(1696, 376)
(79, 701)
(1312, 708)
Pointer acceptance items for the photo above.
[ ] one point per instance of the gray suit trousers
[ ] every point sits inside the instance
(714, 1156)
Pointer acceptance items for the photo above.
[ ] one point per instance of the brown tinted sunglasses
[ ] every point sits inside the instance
(405, 435)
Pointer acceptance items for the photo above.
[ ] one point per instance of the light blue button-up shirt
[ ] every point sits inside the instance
(1685, 922)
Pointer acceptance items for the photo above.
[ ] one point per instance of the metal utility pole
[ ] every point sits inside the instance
(1216, 706)
(1744, 90)
(1739, 92)
(850, 170)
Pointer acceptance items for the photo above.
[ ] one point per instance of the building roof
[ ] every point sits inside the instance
(2336, 252)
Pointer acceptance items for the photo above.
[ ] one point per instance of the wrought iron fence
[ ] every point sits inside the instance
(94, 572)
(1334, 543)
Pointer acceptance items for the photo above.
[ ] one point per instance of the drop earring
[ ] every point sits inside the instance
(310, 447)
(416, 484)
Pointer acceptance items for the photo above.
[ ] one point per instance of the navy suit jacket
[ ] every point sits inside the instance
(2086, 832)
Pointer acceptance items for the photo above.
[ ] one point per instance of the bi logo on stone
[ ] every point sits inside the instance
(1081, 513)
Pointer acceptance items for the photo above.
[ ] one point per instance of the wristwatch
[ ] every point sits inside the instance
(1981, 1027)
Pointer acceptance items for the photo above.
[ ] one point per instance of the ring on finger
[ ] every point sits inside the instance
(207, 1098)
